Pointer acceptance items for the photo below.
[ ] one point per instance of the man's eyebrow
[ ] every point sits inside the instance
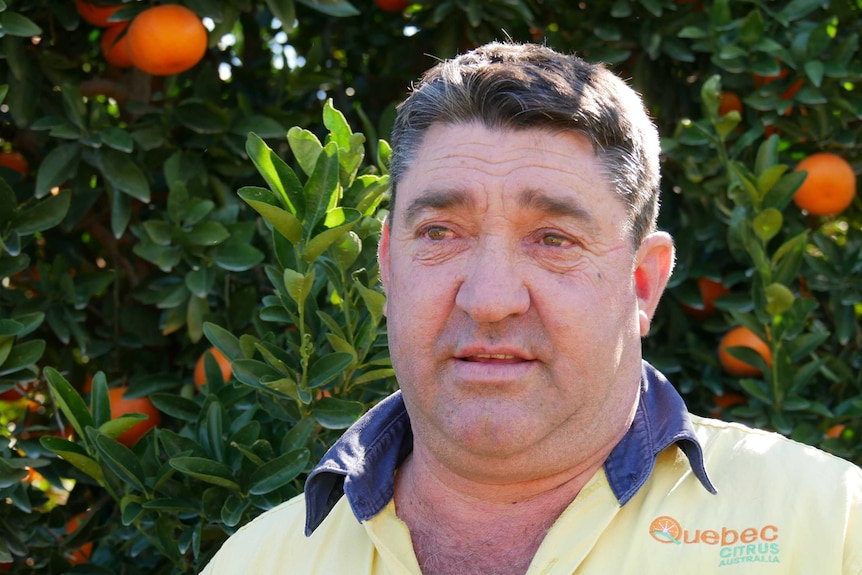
(436, 200)
(568, 207)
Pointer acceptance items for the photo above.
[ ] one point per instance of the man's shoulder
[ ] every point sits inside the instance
(265, 535)
(728, 445)
(277, 538)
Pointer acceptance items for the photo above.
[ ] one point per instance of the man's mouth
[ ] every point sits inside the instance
(494, 358)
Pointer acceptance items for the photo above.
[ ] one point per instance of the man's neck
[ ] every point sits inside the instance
(461, 527)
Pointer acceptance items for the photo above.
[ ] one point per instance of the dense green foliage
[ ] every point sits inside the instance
(238, 205)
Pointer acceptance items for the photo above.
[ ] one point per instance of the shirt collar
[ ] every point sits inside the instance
(361, 464)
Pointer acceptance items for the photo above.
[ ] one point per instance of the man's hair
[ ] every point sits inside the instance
(528, 86)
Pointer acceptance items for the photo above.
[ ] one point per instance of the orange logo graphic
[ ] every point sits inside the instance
(666, 529)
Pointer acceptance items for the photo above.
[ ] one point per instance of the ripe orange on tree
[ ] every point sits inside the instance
(81, 554)
(709, 291)
(392, 5)
(728, 102)
(835, 431)
(96, 13)
(200, 376)
(741, 336)
(114, 47)
(167, 39)
(121, 405)
(14, 161)
(829, 187)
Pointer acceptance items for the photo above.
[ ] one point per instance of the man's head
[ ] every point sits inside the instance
(518, 282)
(515, 86)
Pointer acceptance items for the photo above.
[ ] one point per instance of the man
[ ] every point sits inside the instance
(522, 267)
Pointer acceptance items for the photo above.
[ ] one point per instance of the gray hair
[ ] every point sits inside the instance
(528, 86)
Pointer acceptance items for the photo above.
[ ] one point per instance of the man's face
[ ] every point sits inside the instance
(516, 302)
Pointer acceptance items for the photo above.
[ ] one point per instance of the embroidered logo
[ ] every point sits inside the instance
(735, 546)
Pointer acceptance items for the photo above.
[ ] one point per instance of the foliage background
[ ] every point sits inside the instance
(151, 226)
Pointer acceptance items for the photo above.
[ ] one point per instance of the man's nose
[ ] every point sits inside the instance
(493, 287)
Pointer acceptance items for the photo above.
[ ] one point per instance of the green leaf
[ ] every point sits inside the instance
(203, 117)
(278, 175)
(114, 428)
(124, 174)
(298, 285)
(236, 256)
(59, 166)
(337, 125)
(298, 435)
(118, 139)
(207, 234)
(374, 300)
(373, 375)
(223, 339)
(319, 243)
(320, 189)
(232, 510)
(305, 147)
(44, 215)
(798, 9)
(769, 177)
(781, 194)
(328, 368)
(767, 224)
(264, 202)
(334, 413)
(15, 24)
(206, 470)
(75, 454)
(69, 401)
(263, 126)
(337, 8)
(24, 354)
(200, 281)
(119, 458)
(176, 406)
(278, 472)
(779, 298)
(100, 401)
(160, 231)
(6, 343)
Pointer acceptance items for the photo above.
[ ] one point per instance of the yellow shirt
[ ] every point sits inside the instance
(781, 508)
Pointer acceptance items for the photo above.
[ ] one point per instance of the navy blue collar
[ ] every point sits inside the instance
(361, 464)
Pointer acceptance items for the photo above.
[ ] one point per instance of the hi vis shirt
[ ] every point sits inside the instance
(767, 506)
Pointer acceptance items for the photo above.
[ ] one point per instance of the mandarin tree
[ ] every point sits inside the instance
(150, 213)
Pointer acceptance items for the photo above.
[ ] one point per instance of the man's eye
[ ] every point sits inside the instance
(436, 233)
(554, 240)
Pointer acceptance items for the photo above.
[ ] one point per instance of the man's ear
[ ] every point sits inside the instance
(653, 266)
(383, 258)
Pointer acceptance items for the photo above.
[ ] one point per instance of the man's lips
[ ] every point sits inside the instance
(494, 358)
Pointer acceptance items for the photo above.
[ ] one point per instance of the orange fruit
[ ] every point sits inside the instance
(728, 102)
(728, 400)
(14, 161)
(741, 336)
(166, 40)
(829, 187)
(835, 431)
(82, 554)
(96, 14)
(223, 363)
(114, 48)
(392, 5)
(121, 405)
(709, 291)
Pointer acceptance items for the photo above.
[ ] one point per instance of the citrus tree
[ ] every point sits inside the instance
(190, 199)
